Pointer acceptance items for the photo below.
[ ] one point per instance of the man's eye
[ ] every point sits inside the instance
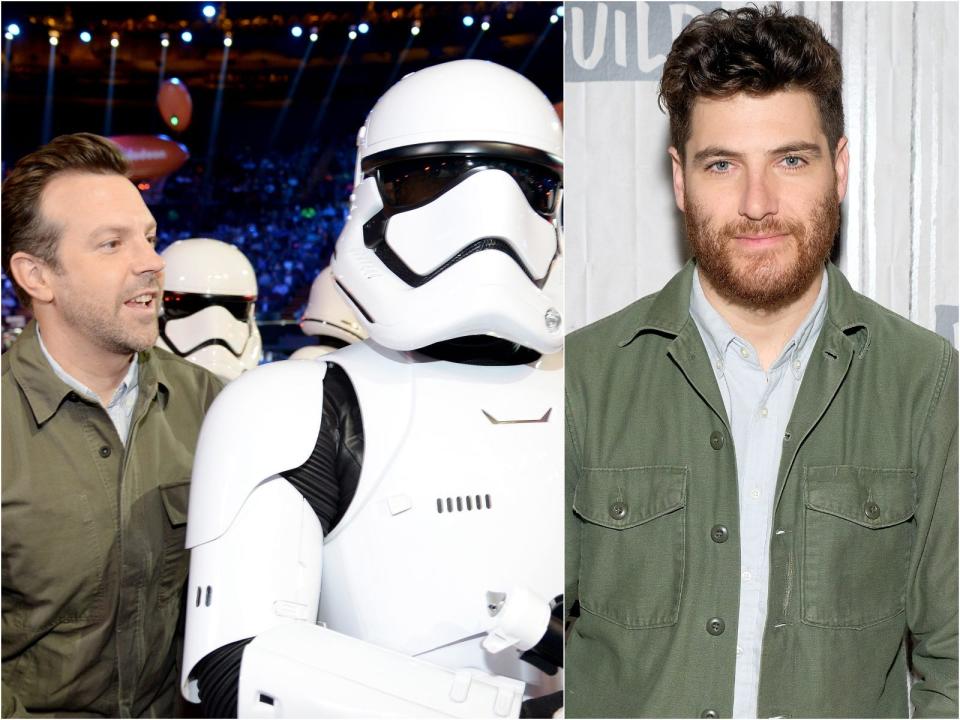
(110, 245)
(152, 239)
(720, 166)
(794, 161)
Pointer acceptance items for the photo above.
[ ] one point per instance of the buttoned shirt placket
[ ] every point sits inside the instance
(758, 404)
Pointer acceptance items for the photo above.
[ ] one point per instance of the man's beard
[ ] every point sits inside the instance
(108, 330)
(760, 279)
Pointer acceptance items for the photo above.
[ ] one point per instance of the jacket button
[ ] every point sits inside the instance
(719, 534)
(618, 510)
(105, 451)
(716, 626)
(709, 714)
(716, 439)
(871, 510)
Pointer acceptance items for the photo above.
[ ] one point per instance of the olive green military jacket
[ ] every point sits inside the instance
(93, 537)
(863, 552)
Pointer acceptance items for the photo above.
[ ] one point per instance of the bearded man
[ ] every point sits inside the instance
(761, 463)
(99, 429)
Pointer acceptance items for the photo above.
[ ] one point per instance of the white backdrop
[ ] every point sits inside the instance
(624, 236)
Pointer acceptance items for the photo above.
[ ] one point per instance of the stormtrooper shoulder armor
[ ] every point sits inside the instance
(246, 440)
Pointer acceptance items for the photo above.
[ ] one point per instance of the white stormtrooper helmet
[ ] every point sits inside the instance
(209, 302)
(329, 318)
(454, 223)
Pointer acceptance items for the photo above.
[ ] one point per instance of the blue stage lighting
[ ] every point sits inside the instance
(85, 37)
(467, 20)
(209, 11)
(13, 29)
(296, 31)
(363, 28)
(186, 36)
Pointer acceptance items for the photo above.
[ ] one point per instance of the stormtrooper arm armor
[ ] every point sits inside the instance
(266, 488)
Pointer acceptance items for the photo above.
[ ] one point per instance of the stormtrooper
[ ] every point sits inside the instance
(378, 533)
(328, 319)
(209, 299)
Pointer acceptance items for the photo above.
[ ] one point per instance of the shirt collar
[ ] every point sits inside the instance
(45, 391)
(717, 333)
(669, 311)
(127, 385)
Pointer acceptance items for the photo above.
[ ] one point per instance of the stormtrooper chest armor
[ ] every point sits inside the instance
(460, 494)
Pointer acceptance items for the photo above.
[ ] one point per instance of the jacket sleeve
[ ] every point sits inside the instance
(932, 589)
(572, 467)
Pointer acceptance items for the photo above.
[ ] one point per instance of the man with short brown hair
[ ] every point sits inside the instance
(99, 430)
(761, 463)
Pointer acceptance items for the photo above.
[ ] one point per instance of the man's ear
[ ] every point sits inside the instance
(33, 275)
(677, 163)
(841, 167)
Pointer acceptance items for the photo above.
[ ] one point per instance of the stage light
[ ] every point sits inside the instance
(559, 11)
(174, 120)
(553, 19)
(174, 81)
(85, 37)
(54, 38)
(227, 40)
(467, 20)
(186, 36)
(13, 29)
(314, 35)
(8, 35)
(296, 31)
(352, 34)
(209, 11)
(114, 42)
(485, 25)
(165, 40)
(415, 30)
(363, 28)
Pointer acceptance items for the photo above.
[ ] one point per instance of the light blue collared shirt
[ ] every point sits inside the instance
(758, 405)
(124, 398)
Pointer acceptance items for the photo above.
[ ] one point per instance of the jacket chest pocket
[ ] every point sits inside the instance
(857, 542)
(173, 564)
(632, 543)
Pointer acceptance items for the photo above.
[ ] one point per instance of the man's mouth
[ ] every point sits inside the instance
(143, 301)
(761, 240)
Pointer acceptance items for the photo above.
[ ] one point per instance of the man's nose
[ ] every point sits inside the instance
(148, 259)
(759, 197)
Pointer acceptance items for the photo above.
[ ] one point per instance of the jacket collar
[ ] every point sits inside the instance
(669, 312)
(45, 392)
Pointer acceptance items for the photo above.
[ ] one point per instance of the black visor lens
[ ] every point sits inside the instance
(409, 183)
(181, 305)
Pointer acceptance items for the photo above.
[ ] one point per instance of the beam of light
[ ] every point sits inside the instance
(164, 44)
(325, 103)
(7, 57)
(401, 56)
(473, 46)
(284, 109)
(215, 128)
(47, 129)
(108, 117)
(536, 46)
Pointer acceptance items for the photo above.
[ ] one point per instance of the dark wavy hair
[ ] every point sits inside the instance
(755, 51)
(23, 226)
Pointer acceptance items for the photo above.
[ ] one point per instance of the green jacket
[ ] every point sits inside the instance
(864, 550)
(94, 563)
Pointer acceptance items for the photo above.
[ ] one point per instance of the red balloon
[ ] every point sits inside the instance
(151, 156)
(175, 104)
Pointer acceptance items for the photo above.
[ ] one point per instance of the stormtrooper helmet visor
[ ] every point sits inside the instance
(416, 175)
(180, 305)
